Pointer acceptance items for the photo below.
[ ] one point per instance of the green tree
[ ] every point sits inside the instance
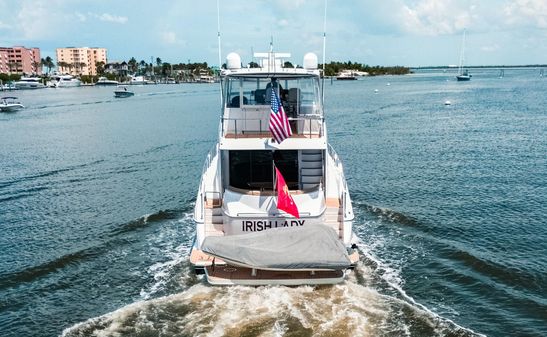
(132, 65)
(48, 63)
(100, 67)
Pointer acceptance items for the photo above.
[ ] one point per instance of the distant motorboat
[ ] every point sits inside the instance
(346, 75)
(10, 104)
(121, 93)
(103, 81)
(29, 83)
(65, 81)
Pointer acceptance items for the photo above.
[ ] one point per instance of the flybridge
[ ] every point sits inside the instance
(271, 62)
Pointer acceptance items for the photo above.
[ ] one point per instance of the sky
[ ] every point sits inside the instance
(386, 33)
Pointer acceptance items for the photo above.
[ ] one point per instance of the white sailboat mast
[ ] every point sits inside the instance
(462, 54)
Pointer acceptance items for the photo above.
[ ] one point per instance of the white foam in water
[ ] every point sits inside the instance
(393, 278)
(163, 271)
(347, 309)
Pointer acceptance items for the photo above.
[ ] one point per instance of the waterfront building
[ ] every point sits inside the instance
(117, 68)
(20, 60)
(80, 61)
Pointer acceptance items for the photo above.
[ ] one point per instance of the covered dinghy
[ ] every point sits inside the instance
(294, 248)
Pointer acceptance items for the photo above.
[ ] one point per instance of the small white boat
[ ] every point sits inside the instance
(346, 75)
(121, 93)
(103, 81)
(65, 81)
(273, 206)
(29, 83)
(137, 80)
(10, 104)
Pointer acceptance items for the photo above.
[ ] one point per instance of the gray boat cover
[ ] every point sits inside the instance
(309, 247)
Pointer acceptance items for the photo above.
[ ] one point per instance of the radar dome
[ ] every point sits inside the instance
(310, 61)
(233, 61)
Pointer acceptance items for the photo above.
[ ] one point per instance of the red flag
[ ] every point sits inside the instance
(284, 199)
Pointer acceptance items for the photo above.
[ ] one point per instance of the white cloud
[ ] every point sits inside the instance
(283, 23)
(4, 25)
(106, 17)
(81, 17)
(112, 18)
(35, 20)
(490, 48)
(526, 12)
(433, 17)
(169, 37)
(289, 4)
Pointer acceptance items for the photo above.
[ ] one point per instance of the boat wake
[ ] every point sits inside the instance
(392, 216)
(353, 308)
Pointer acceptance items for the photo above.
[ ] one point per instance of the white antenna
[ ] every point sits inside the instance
(324, 54)
(324, 34)
(218, 34)
(219, 52)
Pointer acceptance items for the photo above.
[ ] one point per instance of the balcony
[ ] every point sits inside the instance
(254, 123)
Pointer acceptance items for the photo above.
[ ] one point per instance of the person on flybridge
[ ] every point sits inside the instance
(278, 89)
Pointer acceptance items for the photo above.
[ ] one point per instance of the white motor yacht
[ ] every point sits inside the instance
(65, 81)
(137, 80)
(103, 81)
(273, 206)
(29, 83)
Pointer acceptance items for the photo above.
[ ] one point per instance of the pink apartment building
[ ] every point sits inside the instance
(20, 60)
(80, 61)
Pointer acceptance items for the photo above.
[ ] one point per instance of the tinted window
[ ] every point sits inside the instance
(254, 169)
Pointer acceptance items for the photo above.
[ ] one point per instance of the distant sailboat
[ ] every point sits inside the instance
(502, 73)
(463, 74)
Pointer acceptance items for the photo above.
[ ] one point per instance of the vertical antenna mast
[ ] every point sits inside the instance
(324, 55)
(219, 52)
(218, 34)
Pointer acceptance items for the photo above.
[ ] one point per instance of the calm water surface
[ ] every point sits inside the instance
(97, 193)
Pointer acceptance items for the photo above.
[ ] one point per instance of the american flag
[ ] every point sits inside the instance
(279, 123)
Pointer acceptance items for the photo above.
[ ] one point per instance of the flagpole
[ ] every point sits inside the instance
(274, 176)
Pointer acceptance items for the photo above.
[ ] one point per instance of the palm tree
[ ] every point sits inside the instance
(36, 65)
(100, 67)
(132, 65)
(48, 63)
(142, 66)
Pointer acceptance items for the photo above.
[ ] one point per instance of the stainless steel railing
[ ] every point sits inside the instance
(342, 179)
(308, 126)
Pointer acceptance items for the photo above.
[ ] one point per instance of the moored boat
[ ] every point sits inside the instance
(346, 75)
(103, 81)
(463, 74)
(273, 206)
(65, 81)
(29, 83)
(137, 80)
(10, 104)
